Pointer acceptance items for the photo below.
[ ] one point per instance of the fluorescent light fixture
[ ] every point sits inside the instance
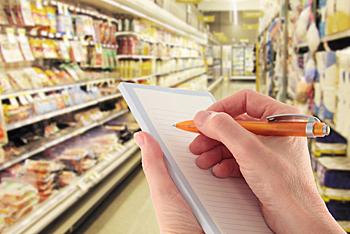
(141, 15)
(235, 12)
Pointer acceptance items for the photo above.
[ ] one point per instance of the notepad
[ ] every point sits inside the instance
(220, 205)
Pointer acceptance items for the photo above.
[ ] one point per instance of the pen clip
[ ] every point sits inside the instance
(292, 117)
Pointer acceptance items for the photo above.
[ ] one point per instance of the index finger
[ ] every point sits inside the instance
(254, 104)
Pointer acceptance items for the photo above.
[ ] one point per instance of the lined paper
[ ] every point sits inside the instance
(229, 202)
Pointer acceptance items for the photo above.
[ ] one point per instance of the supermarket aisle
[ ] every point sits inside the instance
(128, 209)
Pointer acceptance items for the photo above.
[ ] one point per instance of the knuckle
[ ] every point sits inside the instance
(218, 119)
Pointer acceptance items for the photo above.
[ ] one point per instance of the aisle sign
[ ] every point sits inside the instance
(250, 26)
(252, 14)
(189, 1)
(207, 18)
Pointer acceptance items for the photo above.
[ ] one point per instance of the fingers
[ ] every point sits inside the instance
(254, 104)
(212, 157)
(223, 128)
(226, 168)
(154, 166)
(202, 144)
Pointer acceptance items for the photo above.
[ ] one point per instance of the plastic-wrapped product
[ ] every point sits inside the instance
(78, 159)
(65, 178)
(313, 37)
(16, 199)
(302, 24)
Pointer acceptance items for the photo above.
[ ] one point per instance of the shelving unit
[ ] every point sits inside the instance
(184, 45)
(52, 114)
(56, 88)
(62, 200)
(55, 140)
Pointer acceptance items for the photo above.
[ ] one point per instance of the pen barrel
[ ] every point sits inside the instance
(283, 128)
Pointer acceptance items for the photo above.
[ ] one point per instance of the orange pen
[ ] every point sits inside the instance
(276, 125)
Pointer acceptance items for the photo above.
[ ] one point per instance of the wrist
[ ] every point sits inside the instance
(300, 217)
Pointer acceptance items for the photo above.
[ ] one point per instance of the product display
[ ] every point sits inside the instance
(316, 70)
(67, 148)
(61, 63)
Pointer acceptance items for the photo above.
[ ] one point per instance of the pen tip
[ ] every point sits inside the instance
(174, 125)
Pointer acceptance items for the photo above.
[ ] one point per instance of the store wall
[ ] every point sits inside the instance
(224, 23)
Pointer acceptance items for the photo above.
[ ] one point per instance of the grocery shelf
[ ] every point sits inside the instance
(73, 132)
(190, 77)
(179, 70)
(215, 84)
(52, 114)
(55, 88)
(336, 36)
(49, 210)
(335, 41)
(250, 78)
(135, 57)
(138, 78)
(177, 57)
(118, 34)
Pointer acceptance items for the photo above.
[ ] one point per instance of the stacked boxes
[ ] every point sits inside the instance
(337, 16)
(332, 173)
(343, 97)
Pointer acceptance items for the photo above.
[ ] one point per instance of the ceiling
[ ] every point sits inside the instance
(228, 5)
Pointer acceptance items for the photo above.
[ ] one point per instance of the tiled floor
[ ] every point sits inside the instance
(128, 210)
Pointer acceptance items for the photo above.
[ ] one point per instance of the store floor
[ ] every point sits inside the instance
(128, 209)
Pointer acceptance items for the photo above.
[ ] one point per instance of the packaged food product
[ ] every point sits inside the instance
(17, 198)
(42, 166)
(25, 13)
(37, 48)
(78, 159)
(17, 113)
(64, 20)
(39, 13)
(5, 84)
(66, 177)
(24, 45)
(3, 15)
(52, 18)
(84, 26)
(9, 47)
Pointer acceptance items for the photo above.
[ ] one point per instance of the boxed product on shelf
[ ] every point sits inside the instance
(343, 98)
(334, 172)
(332, 145)
(337, 16)
(340, 210)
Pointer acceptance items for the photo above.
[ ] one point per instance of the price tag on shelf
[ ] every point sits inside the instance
(98, 47)
(29, 98)
(23, 100)
(42, 95)
(82, 185)
(13, 101)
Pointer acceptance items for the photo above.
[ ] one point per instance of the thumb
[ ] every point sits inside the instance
(222, 127)
(160, 183)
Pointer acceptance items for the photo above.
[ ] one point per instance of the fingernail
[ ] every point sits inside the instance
(139, 139)
(201, 117)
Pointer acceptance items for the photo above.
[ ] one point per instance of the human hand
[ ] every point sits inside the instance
(173, 213)
(277, 169)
